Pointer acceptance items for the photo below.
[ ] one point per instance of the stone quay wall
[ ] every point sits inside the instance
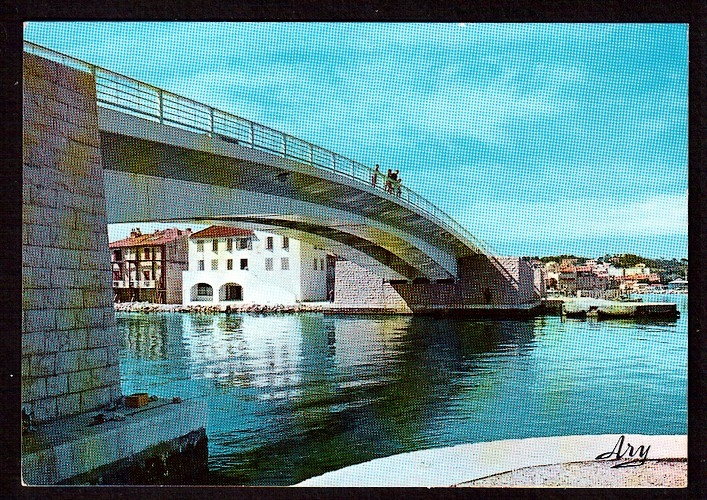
(179, 461)
(69, 338)
(480, 283)
(358, 288)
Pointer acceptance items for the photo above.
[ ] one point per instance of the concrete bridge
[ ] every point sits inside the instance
(159, 169)
(101, 148)
(157, 172)
(167, 158)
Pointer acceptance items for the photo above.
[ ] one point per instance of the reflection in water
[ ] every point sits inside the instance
(292, 396)
(247, 352)
(151, 336)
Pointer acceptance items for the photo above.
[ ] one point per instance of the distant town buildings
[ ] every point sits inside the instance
(222, 265)
(230, 264)
(595, 279)
(148, 267)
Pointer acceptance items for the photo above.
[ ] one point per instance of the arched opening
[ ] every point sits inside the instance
(202, 292)
(230, 291)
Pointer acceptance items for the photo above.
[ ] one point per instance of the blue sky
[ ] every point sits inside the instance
(540, 139)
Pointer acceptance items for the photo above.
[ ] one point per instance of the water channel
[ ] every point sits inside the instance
(292, 396)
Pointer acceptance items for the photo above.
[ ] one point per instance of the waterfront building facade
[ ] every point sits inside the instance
(567, 281)
(235, 265)
(552, 276)
(148, 267)
(592, 280)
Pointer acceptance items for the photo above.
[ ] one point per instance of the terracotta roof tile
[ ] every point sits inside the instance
(156, 238)
(222, 232)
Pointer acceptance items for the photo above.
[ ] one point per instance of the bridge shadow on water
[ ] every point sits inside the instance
(293, 396)
(363, 388)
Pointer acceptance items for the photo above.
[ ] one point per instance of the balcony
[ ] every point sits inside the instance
(134, 283)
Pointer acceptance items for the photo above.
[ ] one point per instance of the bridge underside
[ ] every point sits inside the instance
(131, 198)
(160, 173)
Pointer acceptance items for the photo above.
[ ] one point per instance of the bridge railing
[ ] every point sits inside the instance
(121, 93)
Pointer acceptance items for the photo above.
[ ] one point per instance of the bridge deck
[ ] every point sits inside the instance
(135, 145)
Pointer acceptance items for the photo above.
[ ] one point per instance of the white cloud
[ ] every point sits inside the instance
(664, 214)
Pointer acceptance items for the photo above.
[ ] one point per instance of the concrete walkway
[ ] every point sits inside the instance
(69, 447)
(462, 465)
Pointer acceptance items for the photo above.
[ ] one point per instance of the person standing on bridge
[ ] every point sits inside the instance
(398, 186)
(396, 182)
(393, 181)
(388, 181)
(374, 177)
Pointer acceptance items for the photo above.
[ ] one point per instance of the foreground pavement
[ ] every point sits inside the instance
(564, 461)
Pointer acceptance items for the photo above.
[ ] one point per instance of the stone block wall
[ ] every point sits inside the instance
(511, 285)
(173, 277)
(539, 277)
(69, 338)
(357, 288)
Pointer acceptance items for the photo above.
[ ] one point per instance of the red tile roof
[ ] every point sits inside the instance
(156, 238)
(222, 232)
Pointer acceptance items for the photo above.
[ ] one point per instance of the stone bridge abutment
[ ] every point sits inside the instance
(69, 338)
(70, 363)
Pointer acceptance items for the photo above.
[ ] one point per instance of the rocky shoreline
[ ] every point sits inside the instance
(148, 307)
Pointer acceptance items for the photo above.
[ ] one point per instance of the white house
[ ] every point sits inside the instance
(235, 265)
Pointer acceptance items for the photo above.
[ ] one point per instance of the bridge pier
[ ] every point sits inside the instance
(481, 289)
(69, 337)
(70, 356)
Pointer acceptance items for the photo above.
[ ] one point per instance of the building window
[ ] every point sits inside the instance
(268, 264)
(200, 245)
(229, 244)
(244, 243)
(229, 264)
(232, 291)
(321, 264)
(244, 264)
(285, 263)
(269, 243)
(285, 242)
(214, 264)
(201, 265)
(147, 254)
(214, 246)
(202, 292)
(117, 255)
(315, 263)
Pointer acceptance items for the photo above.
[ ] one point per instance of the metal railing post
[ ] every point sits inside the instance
(284, 145)
(252, 135)
(311, 155)
(160, 96)
(211, 113)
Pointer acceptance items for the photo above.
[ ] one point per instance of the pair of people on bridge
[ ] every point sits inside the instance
(393, 181)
